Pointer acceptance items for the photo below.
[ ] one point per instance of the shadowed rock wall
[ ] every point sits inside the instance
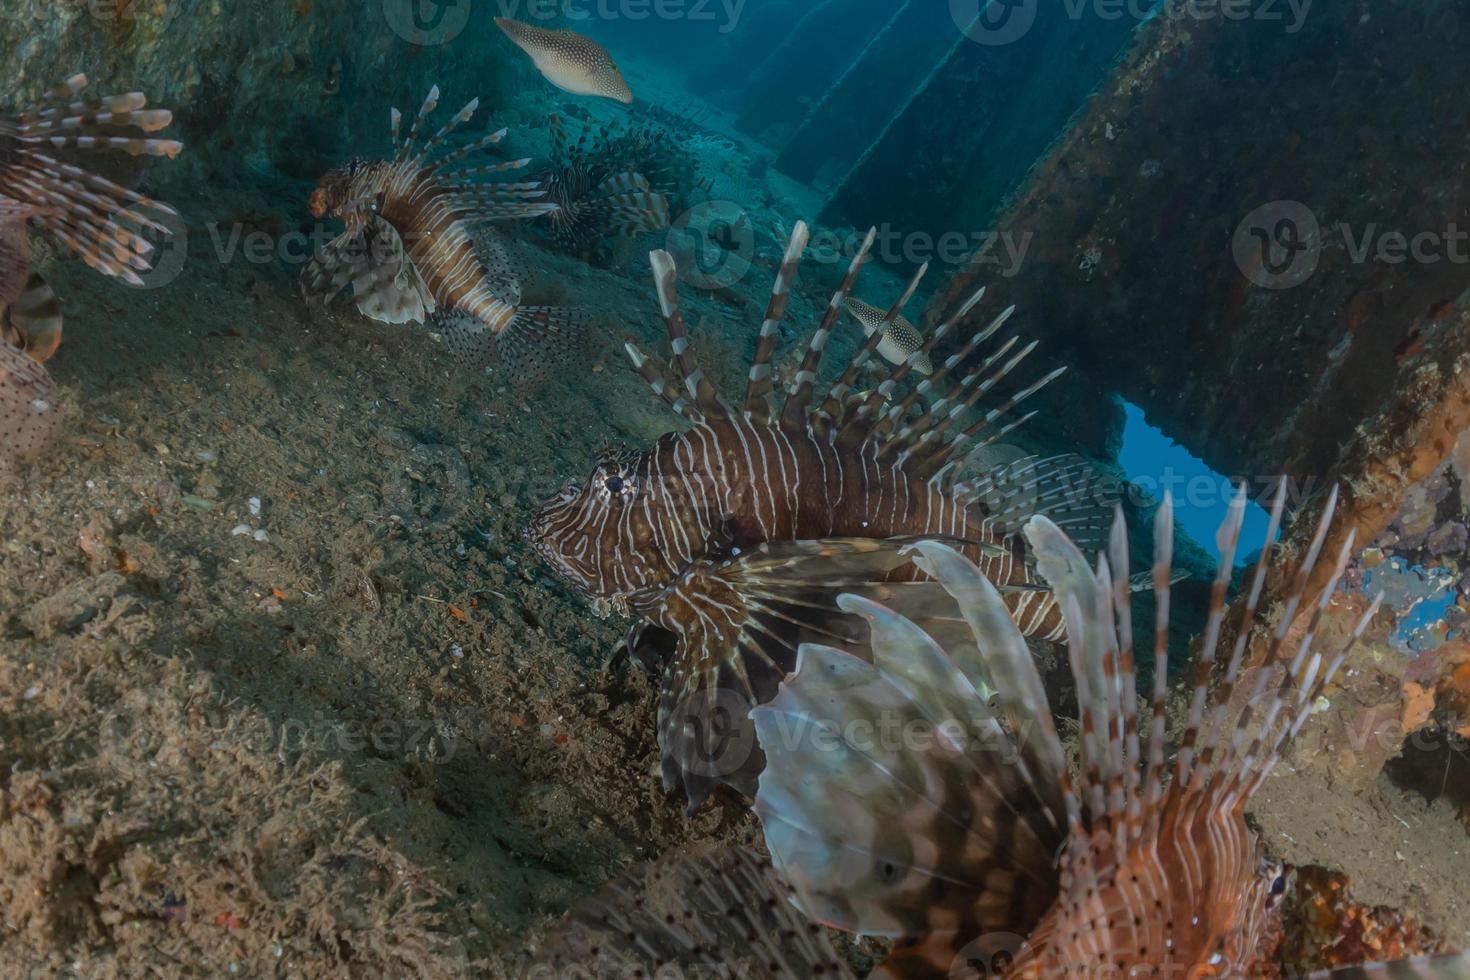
(1228, 235)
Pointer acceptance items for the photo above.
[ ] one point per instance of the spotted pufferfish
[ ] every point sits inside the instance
(570, 61)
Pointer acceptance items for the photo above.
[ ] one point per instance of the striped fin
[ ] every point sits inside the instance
(385, 284)
(723, 913)
(538, 339)
(947, 832)
(760, 388)
(405, 149)
(665, 278)
(661, 385)
(1067, 489)
(794, 415)
(739, 623)
(98, 219)
(1455, 966)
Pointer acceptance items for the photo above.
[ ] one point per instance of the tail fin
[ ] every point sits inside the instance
(724, 914)
(539, 339)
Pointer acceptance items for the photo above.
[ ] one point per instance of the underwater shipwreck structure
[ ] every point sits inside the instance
(1256, 230)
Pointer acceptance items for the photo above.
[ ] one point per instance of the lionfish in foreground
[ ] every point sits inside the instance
(900, 337)
(415, 243)
(599, 188)
(969, 838)
(731, 540)
(98, 219)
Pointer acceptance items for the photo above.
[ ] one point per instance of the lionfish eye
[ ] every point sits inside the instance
(615, 484)
(1279, 885)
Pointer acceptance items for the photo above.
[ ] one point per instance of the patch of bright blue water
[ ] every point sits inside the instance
(1156, 463)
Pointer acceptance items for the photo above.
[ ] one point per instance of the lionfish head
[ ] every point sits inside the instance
(597, 534)
(337, 192)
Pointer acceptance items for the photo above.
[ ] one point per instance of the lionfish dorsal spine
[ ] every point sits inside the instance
(798, 399)
(431, 102)
(475, 146)
(859, 424)
(698, 387)
(760, 388)
(661, 385)
(461, 117)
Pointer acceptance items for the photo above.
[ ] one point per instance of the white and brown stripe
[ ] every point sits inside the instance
(433, 206)
(662, 533)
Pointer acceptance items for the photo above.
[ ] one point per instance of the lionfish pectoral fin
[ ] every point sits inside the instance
(739, 623)
(386, 284)
(720, 913)
(1068, 490)
(35, 319)
(372, 262)
(895, 799)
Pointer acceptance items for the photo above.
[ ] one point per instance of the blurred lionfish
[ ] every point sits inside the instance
(730, 541)
(602, 184)
(977, 846)
(413, 245)
(98, 219)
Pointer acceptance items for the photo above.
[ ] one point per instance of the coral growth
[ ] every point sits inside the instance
(1325, 928)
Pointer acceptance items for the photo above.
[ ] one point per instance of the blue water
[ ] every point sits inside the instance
(1154, 463)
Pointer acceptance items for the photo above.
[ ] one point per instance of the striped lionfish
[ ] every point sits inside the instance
(600, 187)
(413, 246)
(730, 541)
(964, 833)
(98, 219)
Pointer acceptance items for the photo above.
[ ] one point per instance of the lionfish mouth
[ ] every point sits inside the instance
(318, 203)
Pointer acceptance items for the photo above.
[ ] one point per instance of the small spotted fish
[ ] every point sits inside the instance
(901, 339)
(571, 62)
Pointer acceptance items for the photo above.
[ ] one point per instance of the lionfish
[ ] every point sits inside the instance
(731, 540)
(570, 61)
(900, 337)
(599, 187)
(414, 245)
(100, 220)
(900, 800)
